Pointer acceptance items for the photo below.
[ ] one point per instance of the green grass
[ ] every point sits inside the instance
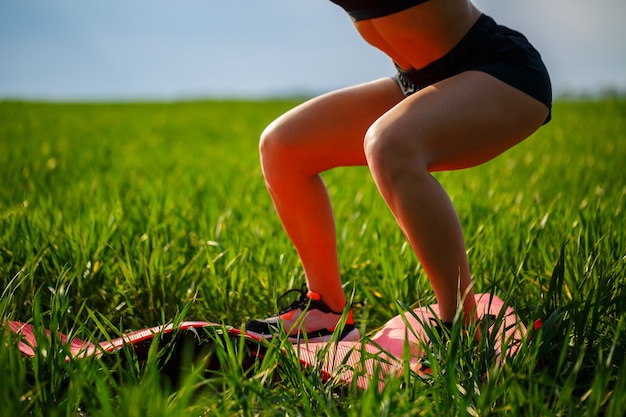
(120, 216)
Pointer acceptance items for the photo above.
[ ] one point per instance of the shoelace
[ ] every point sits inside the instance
(301, 303)
(304, 301)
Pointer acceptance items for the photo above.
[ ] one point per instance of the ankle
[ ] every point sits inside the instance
(336, 303)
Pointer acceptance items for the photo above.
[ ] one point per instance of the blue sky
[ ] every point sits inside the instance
(164, 49)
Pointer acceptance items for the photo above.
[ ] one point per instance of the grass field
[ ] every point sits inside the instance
(115, 217)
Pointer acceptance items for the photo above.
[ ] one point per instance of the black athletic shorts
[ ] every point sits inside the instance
(491, 48)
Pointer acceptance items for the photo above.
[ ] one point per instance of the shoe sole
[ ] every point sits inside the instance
(352, 336)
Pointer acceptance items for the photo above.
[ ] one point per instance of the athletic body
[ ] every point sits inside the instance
(458, 100)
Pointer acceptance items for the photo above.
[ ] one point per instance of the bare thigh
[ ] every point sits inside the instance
(457, 123)
(328, 131)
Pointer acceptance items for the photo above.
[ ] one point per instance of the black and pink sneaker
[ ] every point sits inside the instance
(306, 319)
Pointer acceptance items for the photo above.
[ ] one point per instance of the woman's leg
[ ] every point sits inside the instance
(321, 134)
(458, 123)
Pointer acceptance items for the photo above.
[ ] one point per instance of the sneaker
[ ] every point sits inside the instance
(438, 342)
(306, 319)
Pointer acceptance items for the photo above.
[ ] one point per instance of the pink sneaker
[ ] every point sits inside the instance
(306, 319)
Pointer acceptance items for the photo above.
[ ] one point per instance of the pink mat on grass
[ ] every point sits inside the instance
(382, 355)
(80, 348)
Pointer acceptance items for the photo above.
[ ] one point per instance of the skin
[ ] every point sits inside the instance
(457, 123)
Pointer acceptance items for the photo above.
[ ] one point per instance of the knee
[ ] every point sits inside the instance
(269, 143)
(273, 148)
(375, 147)
(390, 154)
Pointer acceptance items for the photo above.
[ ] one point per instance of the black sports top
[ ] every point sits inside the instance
(370, 9)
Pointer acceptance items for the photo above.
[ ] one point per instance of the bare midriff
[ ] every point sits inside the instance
(415, 37)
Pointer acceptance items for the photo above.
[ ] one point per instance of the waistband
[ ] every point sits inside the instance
(457, 58)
